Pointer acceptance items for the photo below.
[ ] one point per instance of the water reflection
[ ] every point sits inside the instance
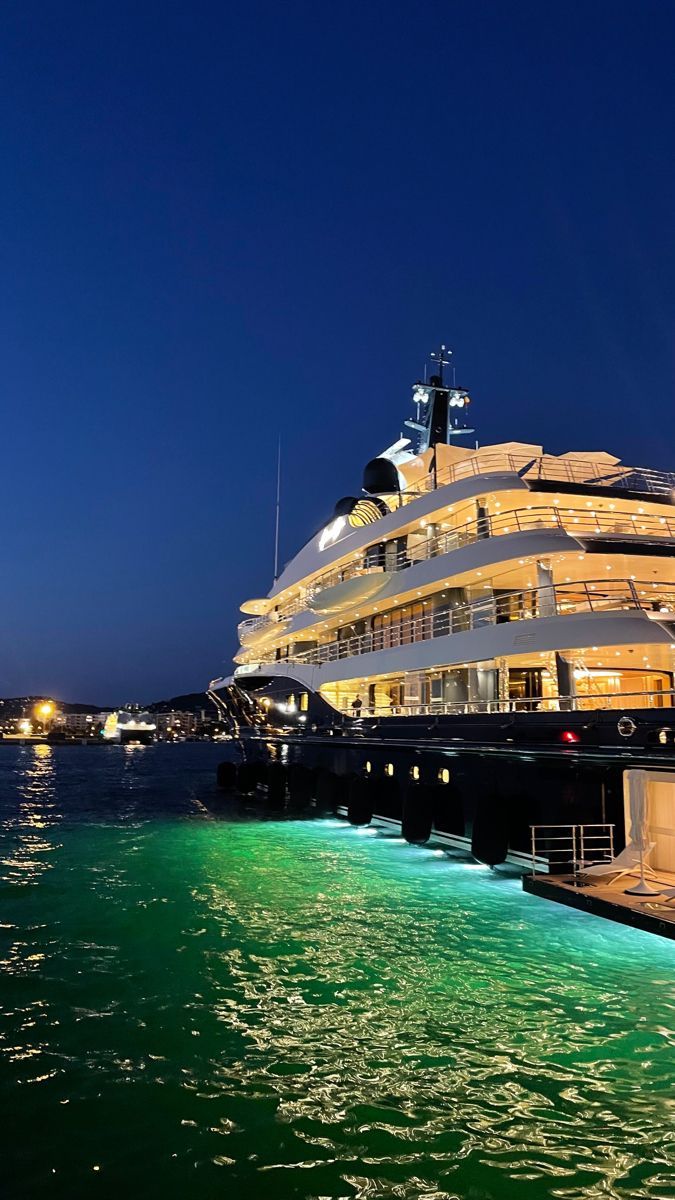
(294, 1008)
(26, 845)
(417, 1031)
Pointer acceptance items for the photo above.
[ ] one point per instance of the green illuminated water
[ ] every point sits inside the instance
(195, 1007)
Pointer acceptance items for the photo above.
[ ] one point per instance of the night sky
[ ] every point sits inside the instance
(218, 221)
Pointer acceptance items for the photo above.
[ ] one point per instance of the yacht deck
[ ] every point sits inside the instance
(654, 914)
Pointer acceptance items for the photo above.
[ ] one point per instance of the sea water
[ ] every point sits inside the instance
(193, 1004)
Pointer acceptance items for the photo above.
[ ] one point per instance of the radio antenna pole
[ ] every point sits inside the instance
(276, 518)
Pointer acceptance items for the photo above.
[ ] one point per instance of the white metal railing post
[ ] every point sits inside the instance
(574, 849)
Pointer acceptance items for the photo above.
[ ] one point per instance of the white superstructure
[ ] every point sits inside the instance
(469, 580)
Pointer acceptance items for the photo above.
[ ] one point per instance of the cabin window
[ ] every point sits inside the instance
(443, 775)
(415, 772)
(368, 767)
(304, 701)
(389, 769)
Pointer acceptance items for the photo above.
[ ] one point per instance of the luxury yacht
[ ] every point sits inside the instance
(485, 635)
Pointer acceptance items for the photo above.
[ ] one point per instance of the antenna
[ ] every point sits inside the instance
(276, 518)
(439, 356)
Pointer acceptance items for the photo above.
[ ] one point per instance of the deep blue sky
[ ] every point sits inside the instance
(222, 219)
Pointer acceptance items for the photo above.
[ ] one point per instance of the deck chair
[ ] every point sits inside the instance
(625, 863)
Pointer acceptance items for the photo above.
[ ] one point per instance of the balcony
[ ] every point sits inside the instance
(600, 596)
(256, 630)
(422, 547)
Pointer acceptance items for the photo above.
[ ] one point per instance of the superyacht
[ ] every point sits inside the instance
(480, 640)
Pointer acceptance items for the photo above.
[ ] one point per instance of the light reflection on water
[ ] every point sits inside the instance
(295, 1009)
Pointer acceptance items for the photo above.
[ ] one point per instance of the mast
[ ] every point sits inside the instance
(440, 408)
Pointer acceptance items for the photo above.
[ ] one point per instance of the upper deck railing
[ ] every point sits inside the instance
(597, 473)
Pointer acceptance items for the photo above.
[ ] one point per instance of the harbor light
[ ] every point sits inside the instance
(44, 712)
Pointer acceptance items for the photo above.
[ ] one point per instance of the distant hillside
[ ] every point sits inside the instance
(190, 702)
(12, 707)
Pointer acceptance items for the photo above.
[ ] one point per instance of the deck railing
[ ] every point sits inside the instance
(551, 600)
(546, 467)
(569, 848)
(432, 542)
(664, 699)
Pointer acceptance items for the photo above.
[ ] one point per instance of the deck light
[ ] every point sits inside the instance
(569, 736)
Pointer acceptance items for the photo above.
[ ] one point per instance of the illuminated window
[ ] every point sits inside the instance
(443, 775)
(368, 768)
(414, 772)
(304, 701)
(389, 769)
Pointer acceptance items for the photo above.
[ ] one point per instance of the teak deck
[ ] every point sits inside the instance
(653, 914)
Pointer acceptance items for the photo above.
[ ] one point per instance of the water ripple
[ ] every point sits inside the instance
(294, 1009)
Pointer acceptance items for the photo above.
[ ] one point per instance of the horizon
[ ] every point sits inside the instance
(222, 225)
